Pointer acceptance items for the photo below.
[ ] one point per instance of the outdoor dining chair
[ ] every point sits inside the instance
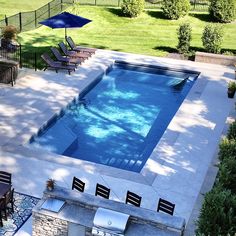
(102, 191)
(9, 201)
(2, 208)
(5, 177)
(78, 184)
(75, 47)
(165, 206)
(133, 199)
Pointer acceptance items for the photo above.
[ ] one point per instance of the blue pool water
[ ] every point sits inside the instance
(120, 120)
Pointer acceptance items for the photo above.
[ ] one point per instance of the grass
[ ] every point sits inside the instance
(149, 34)
(11, 7)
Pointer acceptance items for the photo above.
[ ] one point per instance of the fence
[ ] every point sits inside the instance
(29, 59)
(196, 5)
(29, 20)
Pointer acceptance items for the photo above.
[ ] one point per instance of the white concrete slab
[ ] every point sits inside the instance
(177, 167)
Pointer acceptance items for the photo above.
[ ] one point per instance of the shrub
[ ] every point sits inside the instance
(9, 32)
(184, 37)
(212, 38)
(227, 149)
(227, 174)
(232, 131)
(218, 213)
(174, 9)
(132, 8)
(223, 10)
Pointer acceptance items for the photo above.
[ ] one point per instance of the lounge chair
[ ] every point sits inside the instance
(74, 47)
(66, 60)
(56, 65)
(72, 53)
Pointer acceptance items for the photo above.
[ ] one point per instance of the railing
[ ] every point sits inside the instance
(28, 59)
(24, 21)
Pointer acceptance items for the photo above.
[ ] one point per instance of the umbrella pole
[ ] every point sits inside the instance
(65, 33)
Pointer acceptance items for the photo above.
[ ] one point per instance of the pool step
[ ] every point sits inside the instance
(57, 139)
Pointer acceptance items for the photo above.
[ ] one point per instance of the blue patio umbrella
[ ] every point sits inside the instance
(65, 20)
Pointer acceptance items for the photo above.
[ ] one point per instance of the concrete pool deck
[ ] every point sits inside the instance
(177, 168)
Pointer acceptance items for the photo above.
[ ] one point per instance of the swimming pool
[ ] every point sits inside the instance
(118, 120)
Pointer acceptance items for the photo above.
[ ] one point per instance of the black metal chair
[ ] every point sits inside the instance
(102, 191)
(78, 184)
(133, 199)
(2, 208)
(9, 201)
(5, 177)
(166, 206)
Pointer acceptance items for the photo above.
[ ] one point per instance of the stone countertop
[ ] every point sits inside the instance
(80, 208)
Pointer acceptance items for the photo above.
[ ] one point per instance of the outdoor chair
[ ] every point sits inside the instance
(2, 209)
(133, 199)
(5, 177)
(165, 206)
(102, 191)
(64, 59)
(56, 65)
(78, 184)
(9, 201)
(72, 53)
(74, 47)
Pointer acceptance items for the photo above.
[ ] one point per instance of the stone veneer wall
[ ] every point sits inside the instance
(215, 58)
(48, 226)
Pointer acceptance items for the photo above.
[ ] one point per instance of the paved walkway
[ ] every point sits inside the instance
(177, 167)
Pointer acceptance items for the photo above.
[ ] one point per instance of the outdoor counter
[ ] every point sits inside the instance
(78, 212)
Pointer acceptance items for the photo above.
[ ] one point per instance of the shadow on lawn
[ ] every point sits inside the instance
(202, 16)
(156, 14)
(166, 49)
(115, 11)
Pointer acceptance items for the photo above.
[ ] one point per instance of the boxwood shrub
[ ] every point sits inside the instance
(232, 131)
(227, 149)
(212, 38)
(132, 8)
(184, 37)
(223, 10)
(218, 213)
(174, 9)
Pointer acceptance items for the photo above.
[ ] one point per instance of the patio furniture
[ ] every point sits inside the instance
(67, 60)
(9, 200)
(102, 191)
(2, 207)
(165, 206)
(56, 65)
(74, 47)
(72, 53)
(8, 71)
(133, 199)
(78, 184)
(5, 177)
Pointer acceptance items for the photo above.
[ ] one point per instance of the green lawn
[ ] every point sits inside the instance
(148, 34)
(11, 7)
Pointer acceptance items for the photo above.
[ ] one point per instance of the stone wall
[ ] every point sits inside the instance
(48, 226)
(215, 58)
